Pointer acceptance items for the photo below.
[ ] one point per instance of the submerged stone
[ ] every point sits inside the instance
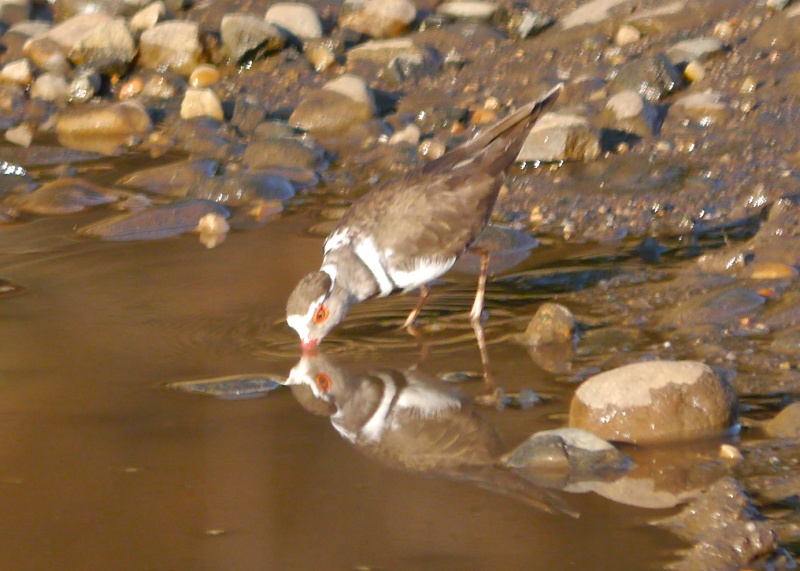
(552, 323)
(232, 387)
(155, 222)
(64, 196)
(175, 179)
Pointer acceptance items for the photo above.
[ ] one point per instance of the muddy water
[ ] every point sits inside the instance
(102, 468)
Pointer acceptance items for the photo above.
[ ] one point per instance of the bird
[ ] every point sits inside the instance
(411, 421)
(401, 236)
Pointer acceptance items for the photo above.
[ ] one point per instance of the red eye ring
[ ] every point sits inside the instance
(324, 382)
(321, 314)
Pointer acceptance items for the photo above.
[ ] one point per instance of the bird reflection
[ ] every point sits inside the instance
(412, 421)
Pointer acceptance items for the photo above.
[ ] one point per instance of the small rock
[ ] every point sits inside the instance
(589, 13)
(201, 102)
(409, 134)
(770, 271)
(247, 37)
(558, 137)
(103, 128)
(175, 179)
(328, 111)
(204, 75)
(566, 449)
(148, 17)
(322, 52)
(654, 401)
(786, 424)
(173, 45)
(524, 23)
(213, 223)
(382, 52)
(18, 72)
(552, 323)
(694, 49)
(156, 222)
(300, 20)
(64, 196)
(50, 87)
(694, 71)
(378, 18)
(627, 34)
(628, 111)
(109, 48)
(353, 87)
(282, 152)
(704, 108)
(84, 86)
(21, 135)
(653, 77)
(730, 452)
(469, 10)
(432, 149)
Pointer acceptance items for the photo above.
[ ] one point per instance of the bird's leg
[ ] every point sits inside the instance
(477, 306)
(424, 292)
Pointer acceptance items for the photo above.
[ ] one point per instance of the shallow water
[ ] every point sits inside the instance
(103, 468)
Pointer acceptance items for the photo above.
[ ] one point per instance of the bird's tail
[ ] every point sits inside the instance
(496, 148)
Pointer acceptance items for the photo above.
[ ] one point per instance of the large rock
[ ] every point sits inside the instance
(653, 77)
(627, 111)
(247, 37)
(654, 401)
(109, 48)
(787, 423)
(105, 128)
(340, 104)
(296, 18)
(64, 196)
(173, 45)
(559, 137)
(378, 18)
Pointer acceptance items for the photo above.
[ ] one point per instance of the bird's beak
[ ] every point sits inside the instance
(309, 346)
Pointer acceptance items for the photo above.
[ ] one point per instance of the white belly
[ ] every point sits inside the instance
(422, 272)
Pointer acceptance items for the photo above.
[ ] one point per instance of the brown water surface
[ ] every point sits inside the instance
(102, 468)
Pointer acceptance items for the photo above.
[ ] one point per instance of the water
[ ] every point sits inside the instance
(103, 468)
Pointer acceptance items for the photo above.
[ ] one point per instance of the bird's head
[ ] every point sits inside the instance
(315, 307)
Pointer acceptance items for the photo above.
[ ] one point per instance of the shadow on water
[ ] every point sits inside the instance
(102, 468)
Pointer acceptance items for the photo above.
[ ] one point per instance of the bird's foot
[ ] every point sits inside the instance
(498, 398)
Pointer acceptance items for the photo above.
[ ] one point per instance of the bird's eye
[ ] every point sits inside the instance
(324, 382)
(321, 314)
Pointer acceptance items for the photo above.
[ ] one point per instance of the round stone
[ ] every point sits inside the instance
(655, 401)
(552, 323)
(201, 102)
(300, 20)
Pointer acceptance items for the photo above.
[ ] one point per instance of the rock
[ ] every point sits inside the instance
(552, 323)
(378, 18)
(566, 449)
(705, 108)
(720, 307)
(653, 77)
(68, 33)
(627, 34)
(21, 135)
(268, 153)
(175, 179)
(296, 18)
(787, 423)
(655, 401)
(173, 45)
(327, 111)
(724, 526)
(148, 17)
(105, 128)
(408, 135)
(18, 71)
(382, 52)
(590, 13)
(352, 87)
(156, 222)
(770, 271)
(109, 48)
(48, 56)
(694, 49)
(204, 75)
(245, 187)
(558, 137)
(469, 10)
(524, 23)
(201, 102)
(84, 86)
(50, 87)
(233, 387)
(12, 104)
(247, 37)
(694, 71)
(14, 11)
(64, 196)
(628, 111)
(322, 52)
